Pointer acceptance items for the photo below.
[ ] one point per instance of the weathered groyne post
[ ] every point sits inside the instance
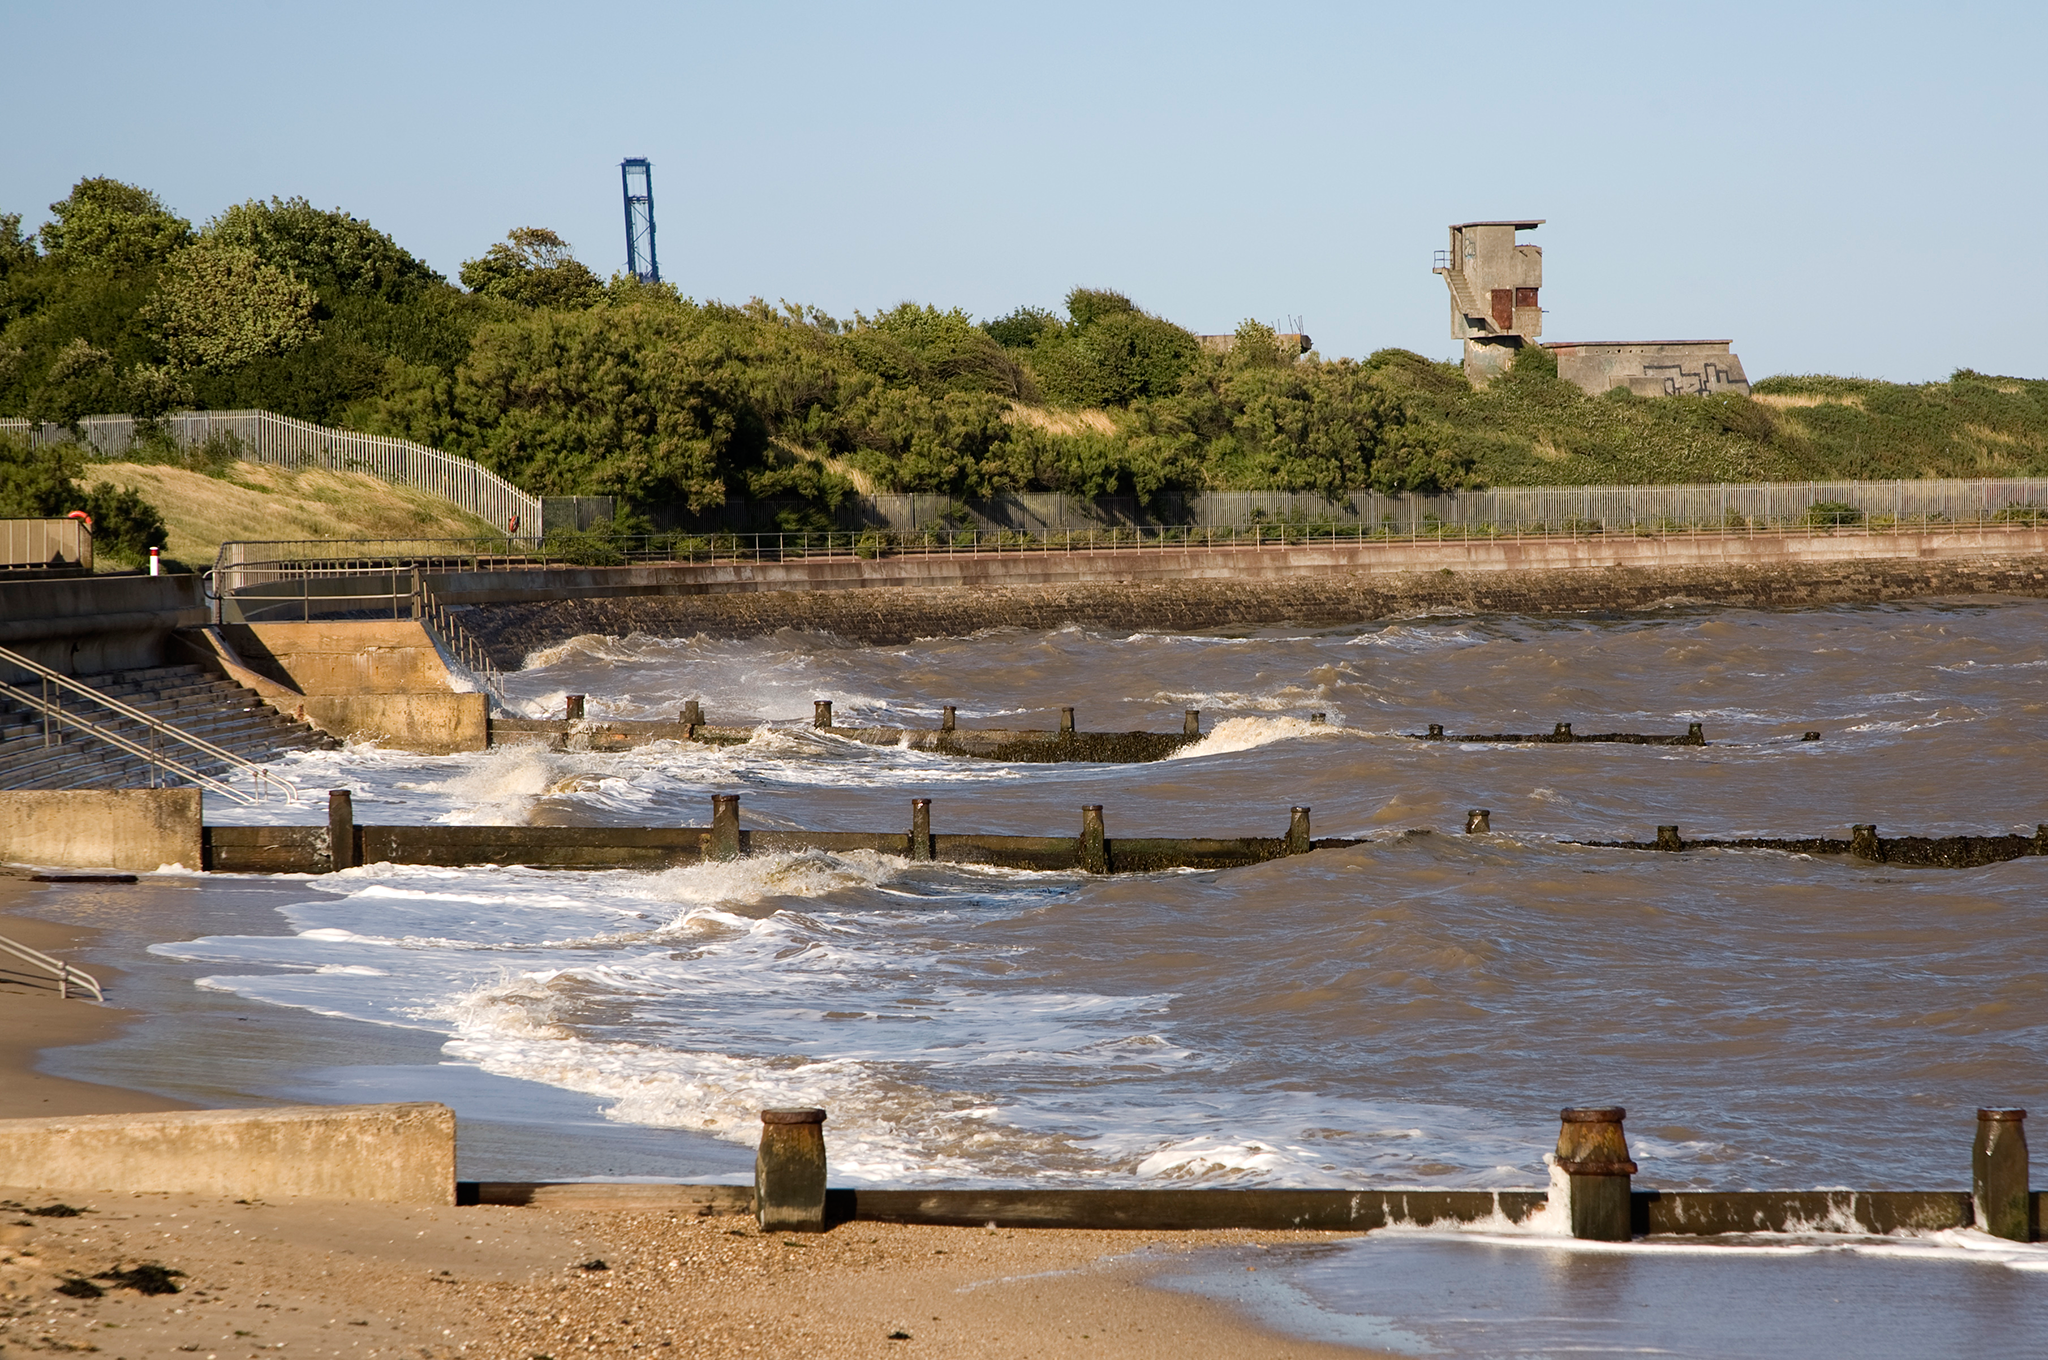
(1863, 842)
(1191, 723)
(1066, 722)
(693, 715)
(920, 828)
(1999, 1186)
(572, 707)
(1667, 838)
(1298, 842)
(1478, 821)
(1561, 732)
(1593, 1153)
(1094, 850)
(341, 829)
(1436, 732)
(821, 713)
(725, 826)
(946, 719)
(789, 1171)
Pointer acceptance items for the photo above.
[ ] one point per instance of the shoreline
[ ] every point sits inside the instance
(495, 1281)
(39, 1021)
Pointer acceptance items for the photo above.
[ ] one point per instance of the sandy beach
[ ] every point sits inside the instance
(360, 1279)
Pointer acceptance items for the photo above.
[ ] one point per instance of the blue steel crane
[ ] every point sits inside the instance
(636, 177)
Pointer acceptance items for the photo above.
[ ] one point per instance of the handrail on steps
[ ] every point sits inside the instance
(52, 710)
(65, 973)
(156, 758)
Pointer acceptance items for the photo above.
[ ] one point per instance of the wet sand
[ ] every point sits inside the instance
(366, 1279)
(35, 1018)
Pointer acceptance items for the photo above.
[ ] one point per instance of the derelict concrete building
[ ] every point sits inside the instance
(1495, 310)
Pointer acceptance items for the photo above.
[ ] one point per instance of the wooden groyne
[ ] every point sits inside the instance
(341, 843)
(1863, 842)
(1595, 1178)
(574, 731)
(1562, 735)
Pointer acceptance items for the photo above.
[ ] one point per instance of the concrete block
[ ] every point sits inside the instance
(342, 656)
(431, 724)
(400, 1154)
(136, 829)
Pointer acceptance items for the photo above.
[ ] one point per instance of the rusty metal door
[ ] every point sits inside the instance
(1504, 308)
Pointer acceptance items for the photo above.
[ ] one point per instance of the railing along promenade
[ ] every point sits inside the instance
(242, 564)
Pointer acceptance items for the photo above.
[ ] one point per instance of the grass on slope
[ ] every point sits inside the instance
(1532, 429)
(258, 501)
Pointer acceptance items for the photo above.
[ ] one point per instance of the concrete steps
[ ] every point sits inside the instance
(186, 697)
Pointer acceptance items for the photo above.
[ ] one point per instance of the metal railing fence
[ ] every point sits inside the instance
(263, 437)
(49, 705)
(65, 973)
(45, 545)
(288, 571)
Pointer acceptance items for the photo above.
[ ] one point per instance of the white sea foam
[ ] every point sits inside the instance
(1246, 734)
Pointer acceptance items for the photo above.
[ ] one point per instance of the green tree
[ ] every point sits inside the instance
(1110, 353)
(114, 227)
(534, 267)
(220, 306)
(338, 254)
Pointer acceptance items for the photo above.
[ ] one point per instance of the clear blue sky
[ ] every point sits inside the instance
(1842, 188)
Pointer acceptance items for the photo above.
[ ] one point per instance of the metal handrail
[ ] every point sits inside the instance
(157, 726)
(66, 973)
(459, 642)
(156, 758)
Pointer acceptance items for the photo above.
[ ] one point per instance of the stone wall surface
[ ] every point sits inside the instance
(400, 1154)
(1330, 598)
(353, 656)
(84, 625)
(140, 830)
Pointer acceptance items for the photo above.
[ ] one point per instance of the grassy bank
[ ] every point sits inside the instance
(255, 501)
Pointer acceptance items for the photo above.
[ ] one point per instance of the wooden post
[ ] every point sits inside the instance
(693, 714)
(1094, 847)
(920, 828)
(1478, 821)
(1066, 720)
(946, 719)
(821, 713)
(1561, 732)
(1695, 734)
(789, 1171)
(573, 706)
(725, 826)
(1667, 838)
(1593, 1153)
(1436, 731)
(341, 829)
(1810, 736)
(1191, 723)
(1298, 842)
(1998, 1176)
(1318, 719)
(1863, 843)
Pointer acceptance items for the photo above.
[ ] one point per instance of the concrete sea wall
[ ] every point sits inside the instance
(893, 600)
(135, 829)
(399, 1154)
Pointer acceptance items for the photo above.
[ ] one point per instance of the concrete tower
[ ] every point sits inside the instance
(1493, 281)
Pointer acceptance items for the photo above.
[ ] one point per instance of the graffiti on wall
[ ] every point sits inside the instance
(1677, 380)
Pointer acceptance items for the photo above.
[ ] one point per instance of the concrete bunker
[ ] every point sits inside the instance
(1495, 284)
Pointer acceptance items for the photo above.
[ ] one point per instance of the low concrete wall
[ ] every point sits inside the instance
(1652, 368)
(85, 625)
(352, 656)
(401, 1154)
(135, 829)
(431, 724)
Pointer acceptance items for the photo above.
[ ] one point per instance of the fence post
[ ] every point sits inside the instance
(1592, 1151)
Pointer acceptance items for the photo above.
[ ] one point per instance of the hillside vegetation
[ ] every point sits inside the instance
(566, 383)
